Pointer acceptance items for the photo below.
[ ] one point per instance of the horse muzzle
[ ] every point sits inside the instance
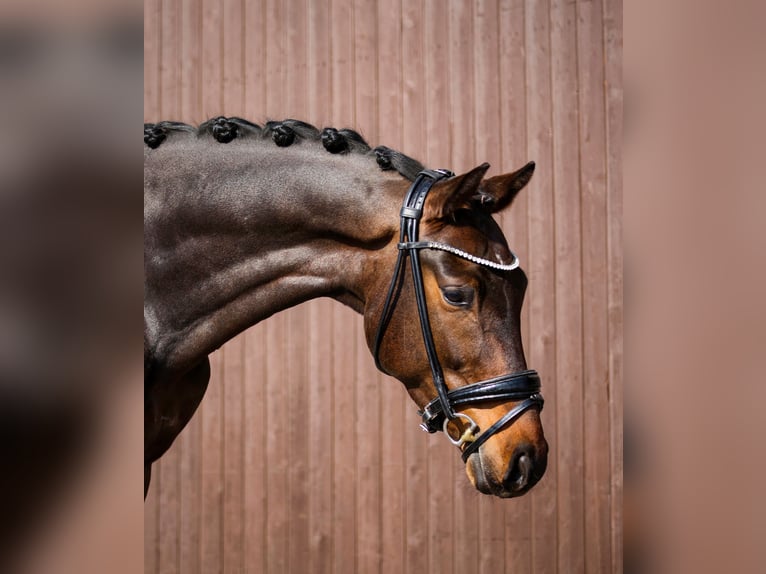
(525, 468)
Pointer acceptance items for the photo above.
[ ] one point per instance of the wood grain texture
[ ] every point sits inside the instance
(345, 325)
(569, 362)
(212, 408)
(593, 191)
(320, 430)
(302, 457)
(253, 465)
(415, 444)
(520, 548)
(614, 127)
(392, 394)
(541, 294)
(190, 441)
(451, 33)
(444, 46)
(152, 522)
(152, 58)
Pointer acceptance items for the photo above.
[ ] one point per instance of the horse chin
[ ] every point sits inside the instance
(484, 481)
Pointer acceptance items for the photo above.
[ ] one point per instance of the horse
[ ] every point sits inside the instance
(242, 221)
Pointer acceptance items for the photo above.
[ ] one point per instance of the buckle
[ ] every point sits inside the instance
(469, 434)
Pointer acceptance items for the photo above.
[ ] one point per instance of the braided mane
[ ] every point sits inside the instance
(284, 134)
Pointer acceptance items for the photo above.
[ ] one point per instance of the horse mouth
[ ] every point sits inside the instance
(517, 481)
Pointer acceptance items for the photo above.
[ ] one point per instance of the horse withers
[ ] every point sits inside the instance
(243, 221)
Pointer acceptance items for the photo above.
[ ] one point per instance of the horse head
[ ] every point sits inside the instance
(448, 326)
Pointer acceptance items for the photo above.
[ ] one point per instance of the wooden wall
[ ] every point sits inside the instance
(303, 458)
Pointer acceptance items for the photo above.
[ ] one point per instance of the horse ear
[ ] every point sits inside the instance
(498, 192)
(455, 193)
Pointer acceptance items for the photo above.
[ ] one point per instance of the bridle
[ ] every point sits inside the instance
(523, 386)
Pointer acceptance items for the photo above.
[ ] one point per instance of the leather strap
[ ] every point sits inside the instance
(515, 412)
(513, 387)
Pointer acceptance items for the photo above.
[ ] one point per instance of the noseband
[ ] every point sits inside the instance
(523, 386)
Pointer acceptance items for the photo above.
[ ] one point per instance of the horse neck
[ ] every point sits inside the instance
(235, 233)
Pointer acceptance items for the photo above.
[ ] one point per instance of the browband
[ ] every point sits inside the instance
(460, 253)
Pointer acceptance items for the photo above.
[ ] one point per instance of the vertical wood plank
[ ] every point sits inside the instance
(168, 543)
(277, 391)
(233, 456)
(486, 84)
(456, 29)
(233, 57)
(254, 458)
(212, 58)
(152, 522)
(321, 434)
(320, 437)
(152, 59)
(541, 293)
(447, 74)
(493, 540)
(461, 93)
(190, 493)
(590, 56)
(392, 395)
(296, 106)
(614, 115)
(296, 75)
(513, 125)
(344, 447)
(319, 63)
(275, 57)
(190, 440)
(234, 355)
(519, 543)
(413, 142)
(568, 279)
(256, 363)
(277, 413)
(211, 514)
(368, 549)
(296, 454)
(190, 61)
(345, 324)
(170, 96)
(255, 80)
(169, 107)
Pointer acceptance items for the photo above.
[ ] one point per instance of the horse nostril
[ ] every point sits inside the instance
(520, 470)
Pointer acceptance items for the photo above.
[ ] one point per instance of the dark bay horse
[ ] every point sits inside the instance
(243, 221)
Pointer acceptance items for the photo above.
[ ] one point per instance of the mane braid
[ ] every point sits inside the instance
(284, 134)
(225, 129)
(155, 134)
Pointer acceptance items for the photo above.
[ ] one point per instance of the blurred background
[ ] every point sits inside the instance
(303, 458)
(70, 286)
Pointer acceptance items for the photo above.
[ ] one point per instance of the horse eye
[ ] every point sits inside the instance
(458, 296)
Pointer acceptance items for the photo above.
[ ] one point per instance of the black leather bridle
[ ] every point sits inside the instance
(523, 386)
